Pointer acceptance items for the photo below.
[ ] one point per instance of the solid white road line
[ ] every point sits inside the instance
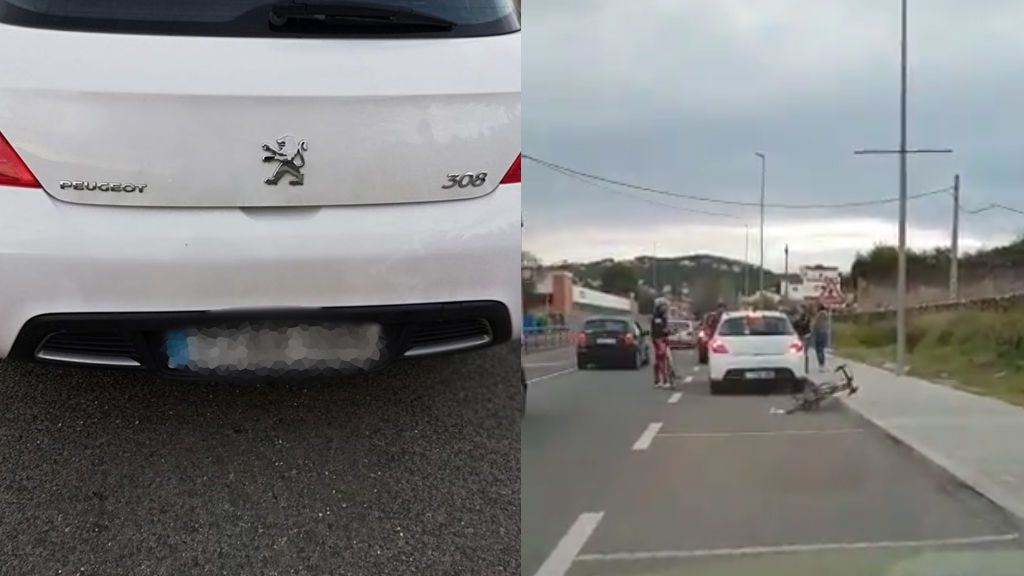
(688, 379)
(644, 441)
(562, 557)
(674, 398)
(766, 433)
(542, 364)
(549, 376)
(696, 368)
(758, 550)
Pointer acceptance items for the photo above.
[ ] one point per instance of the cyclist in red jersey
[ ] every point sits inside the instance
(659, 334)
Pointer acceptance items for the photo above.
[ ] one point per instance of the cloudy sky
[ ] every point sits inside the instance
(679, 94)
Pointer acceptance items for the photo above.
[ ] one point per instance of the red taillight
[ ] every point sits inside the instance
(796, 347)
(13, 171)
(718, 347)
(515, 173)
(628, 339)
(581, 340)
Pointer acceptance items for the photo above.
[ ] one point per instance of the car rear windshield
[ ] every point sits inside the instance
(251, 18)
(756, 326)
(606, 326)
(680, 325)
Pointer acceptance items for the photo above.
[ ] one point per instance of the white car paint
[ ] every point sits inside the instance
(385, 120)
(754, 352)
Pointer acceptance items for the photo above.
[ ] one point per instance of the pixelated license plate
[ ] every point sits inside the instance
(276, 348)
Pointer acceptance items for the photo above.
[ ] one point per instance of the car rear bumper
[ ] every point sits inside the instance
(609, 355)
(785, 366)
(73, 260)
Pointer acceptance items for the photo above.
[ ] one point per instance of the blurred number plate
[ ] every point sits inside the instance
(764, 375)
(251, 347)
(606, 341)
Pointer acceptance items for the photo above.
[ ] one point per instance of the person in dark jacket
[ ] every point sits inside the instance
(802, 325)
(820, 329)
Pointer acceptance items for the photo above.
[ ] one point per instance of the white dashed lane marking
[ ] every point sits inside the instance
(564, 554)
(644, 441)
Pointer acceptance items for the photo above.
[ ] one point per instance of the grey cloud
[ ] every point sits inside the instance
(680, 94)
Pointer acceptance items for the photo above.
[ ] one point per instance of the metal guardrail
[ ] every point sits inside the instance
(549, 338)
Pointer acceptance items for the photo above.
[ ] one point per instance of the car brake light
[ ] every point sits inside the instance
(718, 347)
(796, 347)
(14, 172)
(515, 173)
(581, 340)
(628, 338)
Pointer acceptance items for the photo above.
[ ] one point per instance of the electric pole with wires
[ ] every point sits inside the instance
(901, 267)
(954, 248)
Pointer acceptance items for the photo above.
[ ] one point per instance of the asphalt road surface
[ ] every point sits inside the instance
(414, 471)
(622, 479)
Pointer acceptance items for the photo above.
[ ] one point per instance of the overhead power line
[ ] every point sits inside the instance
(646, 200)
(992, 207)
(567, 171)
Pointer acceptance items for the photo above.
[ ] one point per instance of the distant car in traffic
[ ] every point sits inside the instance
(612, 342)
(681, 334)
(704, 334)
(755, 349)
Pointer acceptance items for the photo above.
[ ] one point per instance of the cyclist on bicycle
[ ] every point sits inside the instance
(659, 334)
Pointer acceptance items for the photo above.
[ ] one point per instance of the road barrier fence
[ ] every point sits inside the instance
(547, 338)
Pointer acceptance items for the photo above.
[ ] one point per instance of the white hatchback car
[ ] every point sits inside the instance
(755, 348)
(229, 186)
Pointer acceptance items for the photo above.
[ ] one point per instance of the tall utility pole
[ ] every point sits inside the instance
(901, 270)
(954, 250)
(786, 272)
(760, 282)
(746, 260)
(654, 270)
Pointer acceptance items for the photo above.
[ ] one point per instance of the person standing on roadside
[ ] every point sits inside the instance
(802, 325)
(819, 329)
(660, 332)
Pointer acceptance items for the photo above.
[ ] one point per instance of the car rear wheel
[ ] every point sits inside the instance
(717, 388)
(580, 365)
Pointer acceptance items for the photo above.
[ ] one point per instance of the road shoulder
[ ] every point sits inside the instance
(974, 438)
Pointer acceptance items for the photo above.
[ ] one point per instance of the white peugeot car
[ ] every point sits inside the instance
(755, 349)
(216, 187)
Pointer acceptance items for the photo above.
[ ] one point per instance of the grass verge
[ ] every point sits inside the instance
(977, 351)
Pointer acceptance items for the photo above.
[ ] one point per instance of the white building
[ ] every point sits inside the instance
(592, 298)
(813, 281)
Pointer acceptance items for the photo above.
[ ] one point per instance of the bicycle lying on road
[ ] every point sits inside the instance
(815, 394)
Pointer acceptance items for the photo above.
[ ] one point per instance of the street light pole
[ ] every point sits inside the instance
(746, 260)
(760, 281)
(654, 269)
(785, 273)
(901, 267)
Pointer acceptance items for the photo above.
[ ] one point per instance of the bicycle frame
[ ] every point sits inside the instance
(820, 393)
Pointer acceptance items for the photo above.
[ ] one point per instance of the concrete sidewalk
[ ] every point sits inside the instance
(979, 440)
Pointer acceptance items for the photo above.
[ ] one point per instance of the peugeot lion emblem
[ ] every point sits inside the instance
(289, 153)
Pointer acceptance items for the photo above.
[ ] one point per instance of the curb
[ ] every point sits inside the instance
(968, 480)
